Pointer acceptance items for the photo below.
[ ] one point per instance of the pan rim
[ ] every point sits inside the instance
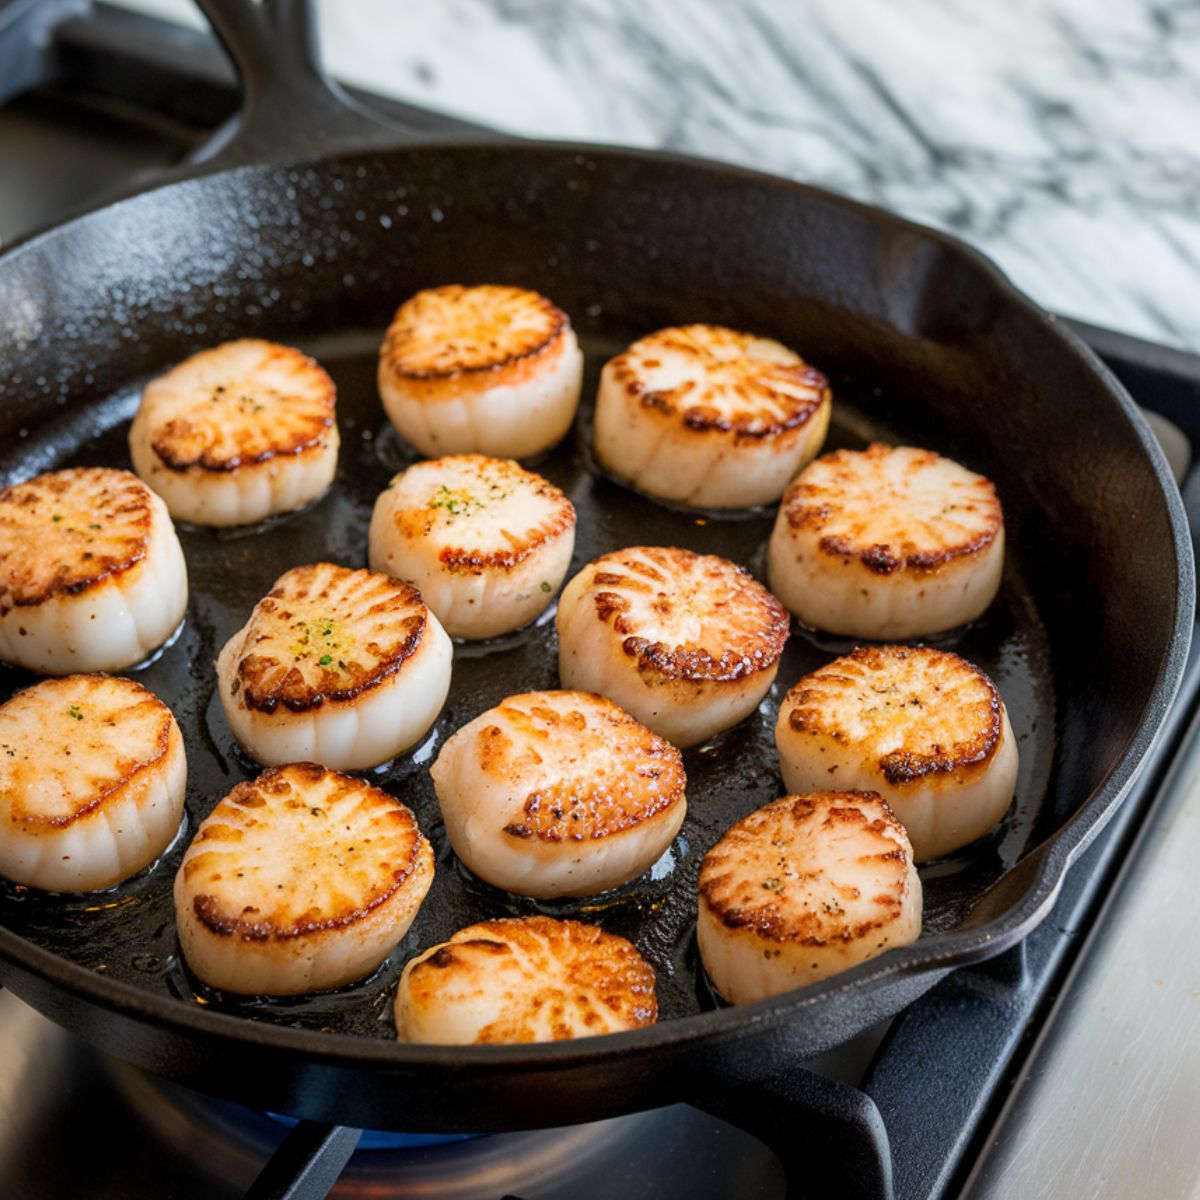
(931, 957)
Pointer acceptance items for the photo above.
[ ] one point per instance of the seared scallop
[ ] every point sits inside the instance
(887, 542)
(559, 794)
(345, 668)
(92, 577)
(524, 980)
(486, 542)
(490, 369)
(237, 433)
(92, 775)
(687, 642)
(299, 881)
(710, 417)
(803, 888)
(924, 728)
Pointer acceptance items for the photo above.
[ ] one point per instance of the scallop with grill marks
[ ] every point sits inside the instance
(490, 369)
(559, 794)
(887, 542)
(92, 576)
(709, 417)
(803, 888)
(237, 433)
(487, 542)
(345, 668)
(92, 776)
(688, 643)
(299, 881)
(924, 728)
(524, 980)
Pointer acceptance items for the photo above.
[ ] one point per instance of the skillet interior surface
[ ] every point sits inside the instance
(922, 345)
(129, 931)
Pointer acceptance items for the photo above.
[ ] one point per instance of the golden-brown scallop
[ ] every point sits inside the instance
(345, 668)
(299, 881)
(803, 888)
(92, 777)
(688, 643)
(924, 728)
(709, 417)
(237, 433)
(485, 541)
(559, 794)
(488, 369)
(524, 980)
(887, 542)
(92, 576)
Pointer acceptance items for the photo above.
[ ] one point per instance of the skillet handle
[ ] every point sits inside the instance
(290, 108)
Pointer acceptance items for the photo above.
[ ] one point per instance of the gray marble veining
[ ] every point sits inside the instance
(1061, 137)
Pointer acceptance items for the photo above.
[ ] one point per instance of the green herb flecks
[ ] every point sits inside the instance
(318, 637)
(455, 501)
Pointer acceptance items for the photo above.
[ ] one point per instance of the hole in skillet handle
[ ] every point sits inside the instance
(290, 108)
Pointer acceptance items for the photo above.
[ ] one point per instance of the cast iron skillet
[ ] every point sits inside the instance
(924, 342)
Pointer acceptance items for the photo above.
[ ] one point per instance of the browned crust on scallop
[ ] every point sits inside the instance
(41, 558)
(415, 522)
(666, 662)
(806, 507)
(597, 963)
(520, 546)
(184, 444)
(559, 814)
(583, 808)
(173, 431)
(908, 764)
(400, 357)
(748, 424)
(762, 914)
(475, 562)
(22, 773)
(280, 781)
(262, 683)
(882, 559)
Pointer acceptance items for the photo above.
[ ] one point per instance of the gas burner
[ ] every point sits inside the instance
(604, 1158)
(57, 1091)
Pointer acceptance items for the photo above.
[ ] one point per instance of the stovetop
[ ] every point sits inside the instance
(94, 100)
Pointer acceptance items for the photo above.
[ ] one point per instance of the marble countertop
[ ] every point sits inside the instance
(1061, 137)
